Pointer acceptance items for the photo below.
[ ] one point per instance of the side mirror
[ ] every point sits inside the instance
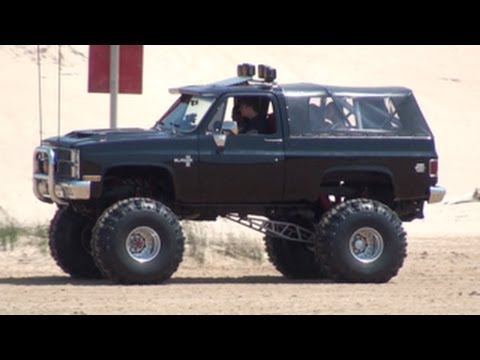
(220, 140)
(228, 128)
(217, 126)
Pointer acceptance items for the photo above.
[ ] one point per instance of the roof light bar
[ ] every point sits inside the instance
(246, 70)
(267, 73)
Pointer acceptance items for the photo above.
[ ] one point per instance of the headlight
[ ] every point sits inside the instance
(67, 163)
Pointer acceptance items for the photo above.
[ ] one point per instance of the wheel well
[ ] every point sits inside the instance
(351, 184)
(155, 181)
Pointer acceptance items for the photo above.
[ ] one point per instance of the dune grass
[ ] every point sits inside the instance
(202, 242)
(11, 232)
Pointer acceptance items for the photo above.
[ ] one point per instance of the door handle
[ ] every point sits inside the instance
(274, 140)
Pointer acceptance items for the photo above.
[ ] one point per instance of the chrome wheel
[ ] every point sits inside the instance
(366, 245)
(143, 244)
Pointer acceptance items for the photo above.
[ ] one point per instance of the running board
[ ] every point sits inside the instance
(284, 230)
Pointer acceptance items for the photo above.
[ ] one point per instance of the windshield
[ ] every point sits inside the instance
(185, 114)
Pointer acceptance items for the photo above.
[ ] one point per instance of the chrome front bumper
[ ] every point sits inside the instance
(49, 189)
(437, 193)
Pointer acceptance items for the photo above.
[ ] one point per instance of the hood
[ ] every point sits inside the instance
(83, 137)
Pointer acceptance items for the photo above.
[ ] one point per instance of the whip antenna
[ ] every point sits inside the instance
(39, 66)
(59, 83)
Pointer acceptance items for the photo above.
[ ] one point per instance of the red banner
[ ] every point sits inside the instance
(130, 69)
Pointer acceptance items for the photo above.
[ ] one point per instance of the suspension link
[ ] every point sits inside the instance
(284, 230)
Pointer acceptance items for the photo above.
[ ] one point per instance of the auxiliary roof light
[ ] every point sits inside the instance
(246, 70)
(267, 73)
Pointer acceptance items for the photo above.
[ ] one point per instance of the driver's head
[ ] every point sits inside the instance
(248, 107)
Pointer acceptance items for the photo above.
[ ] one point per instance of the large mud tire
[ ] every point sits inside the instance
(138, 241)
(292, 259)
(361, 241)
(69, 242)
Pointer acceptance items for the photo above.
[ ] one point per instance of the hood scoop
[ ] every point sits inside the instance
(83, 134)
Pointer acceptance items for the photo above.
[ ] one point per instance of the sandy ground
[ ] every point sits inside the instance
(441, 272)
(440, 276)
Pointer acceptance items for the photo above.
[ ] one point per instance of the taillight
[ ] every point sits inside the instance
(433, 168)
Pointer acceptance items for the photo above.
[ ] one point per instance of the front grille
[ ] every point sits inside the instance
(66, 163)
(64, 169)
(63, 154)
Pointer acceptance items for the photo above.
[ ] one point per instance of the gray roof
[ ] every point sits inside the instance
(245, 84)
(307, 89)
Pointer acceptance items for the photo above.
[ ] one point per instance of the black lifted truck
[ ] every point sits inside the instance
(327, 173)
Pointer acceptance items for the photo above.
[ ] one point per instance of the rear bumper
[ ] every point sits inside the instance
(437, 193)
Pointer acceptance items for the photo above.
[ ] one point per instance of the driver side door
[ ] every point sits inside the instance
(249, 169)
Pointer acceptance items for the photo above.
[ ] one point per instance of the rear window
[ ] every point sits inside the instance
(363, 115)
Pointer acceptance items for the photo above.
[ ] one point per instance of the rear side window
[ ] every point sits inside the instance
(355, 115)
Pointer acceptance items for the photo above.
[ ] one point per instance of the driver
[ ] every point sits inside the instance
(248, 108)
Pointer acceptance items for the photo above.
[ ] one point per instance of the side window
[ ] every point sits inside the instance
(344, 113)
(379, 114)
(254, 115)
(272, 120)
(311, 116)
(370, 114)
